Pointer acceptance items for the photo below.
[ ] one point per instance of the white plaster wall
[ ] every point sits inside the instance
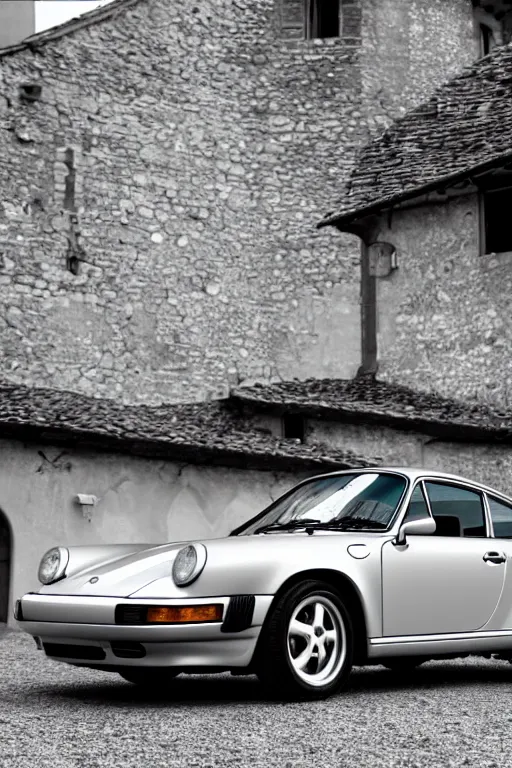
(140, 500)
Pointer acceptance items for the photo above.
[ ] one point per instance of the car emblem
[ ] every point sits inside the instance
(93, 580)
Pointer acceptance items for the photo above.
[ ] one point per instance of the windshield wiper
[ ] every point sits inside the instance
(347, 523)
(289, 526)
(344, 524)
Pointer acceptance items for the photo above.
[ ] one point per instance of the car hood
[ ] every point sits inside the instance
(235, 565)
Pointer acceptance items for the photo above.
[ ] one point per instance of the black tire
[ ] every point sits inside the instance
(404, 665)
(149, 677)
(278, 653)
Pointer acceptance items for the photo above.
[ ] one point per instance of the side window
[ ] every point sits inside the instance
(501, 516)
(457, 511)
(418, 508)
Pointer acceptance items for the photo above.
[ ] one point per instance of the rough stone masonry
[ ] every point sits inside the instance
(162, 169)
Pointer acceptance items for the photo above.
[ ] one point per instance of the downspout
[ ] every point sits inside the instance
(368, 315)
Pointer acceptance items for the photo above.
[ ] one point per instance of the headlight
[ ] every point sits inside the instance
(188, 564)
(53, 565)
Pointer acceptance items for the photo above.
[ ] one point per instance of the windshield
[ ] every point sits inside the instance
(366, 500)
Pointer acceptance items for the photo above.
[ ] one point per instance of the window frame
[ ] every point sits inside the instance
(500, 500)
(465, 487)
(421, 484)
(408, 482)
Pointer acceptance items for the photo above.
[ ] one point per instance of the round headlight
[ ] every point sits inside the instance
(188, 564)
(53, 565)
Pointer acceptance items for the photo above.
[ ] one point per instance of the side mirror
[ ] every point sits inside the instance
(423, 527)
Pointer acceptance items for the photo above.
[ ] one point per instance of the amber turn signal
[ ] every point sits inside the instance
(184, 614)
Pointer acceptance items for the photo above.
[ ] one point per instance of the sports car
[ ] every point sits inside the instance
(391, 566)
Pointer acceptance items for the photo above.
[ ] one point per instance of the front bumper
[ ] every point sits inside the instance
(64, 622)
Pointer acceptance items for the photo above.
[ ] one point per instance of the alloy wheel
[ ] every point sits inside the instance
(316, 640)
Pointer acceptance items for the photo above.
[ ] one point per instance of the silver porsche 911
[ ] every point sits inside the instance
(375, 566)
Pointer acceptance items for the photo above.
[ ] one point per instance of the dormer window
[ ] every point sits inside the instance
(310, 19)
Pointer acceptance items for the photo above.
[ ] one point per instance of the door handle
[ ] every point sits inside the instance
(495, 557)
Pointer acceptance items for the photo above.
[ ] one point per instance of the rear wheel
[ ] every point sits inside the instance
(306, 648)
(150, 677)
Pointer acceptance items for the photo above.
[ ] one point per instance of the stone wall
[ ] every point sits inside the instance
(419, 45)
(444, 315)
(139, 500)
(158, 199)
(482, 462)
(487, 463)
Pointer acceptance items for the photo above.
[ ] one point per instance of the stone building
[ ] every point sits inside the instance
(431, 201)
(163, 167)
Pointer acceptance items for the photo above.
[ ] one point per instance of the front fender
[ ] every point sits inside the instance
(261, 568)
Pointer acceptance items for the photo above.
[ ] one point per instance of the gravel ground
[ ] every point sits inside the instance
(54, 716)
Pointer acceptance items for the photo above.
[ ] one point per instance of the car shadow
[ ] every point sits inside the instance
(212, 690)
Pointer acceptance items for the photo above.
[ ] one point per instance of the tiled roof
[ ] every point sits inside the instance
(365, 400)
(102, 13)
(202, 433)
(465, 127)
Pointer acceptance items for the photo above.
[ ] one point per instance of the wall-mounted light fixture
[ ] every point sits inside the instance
(86, 502)
(383, 259)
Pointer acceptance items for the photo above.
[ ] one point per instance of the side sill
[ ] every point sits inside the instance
(425, 645)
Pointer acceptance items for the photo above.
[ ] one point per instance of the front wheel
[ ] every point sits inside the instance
(149, 677)
(306, 648)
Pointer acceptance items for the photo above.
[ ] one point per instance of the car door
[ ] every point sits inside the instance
(501, 518)
(446, 582)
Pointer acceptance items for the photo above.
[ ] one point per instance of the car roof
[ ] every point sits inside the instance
(413, 473)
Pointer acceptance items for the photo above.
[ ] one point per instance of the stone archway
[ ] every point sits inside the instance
(5, 566)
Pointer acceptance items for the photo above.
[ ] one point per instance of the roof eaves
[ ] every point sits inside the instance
(345, 219)
(203, 433)
(370, 414)
(68, 27)
(258, 458)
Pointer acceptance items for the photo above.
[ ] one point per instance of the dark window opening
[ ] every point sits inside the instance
(497, 217)
(322, 18)
(487, 41)
(310, 18)
(293, 426)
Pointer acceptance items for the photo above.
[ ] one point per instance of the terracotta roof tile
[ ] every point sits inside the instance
(211, 433)
(366, 400)
(466, 127)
